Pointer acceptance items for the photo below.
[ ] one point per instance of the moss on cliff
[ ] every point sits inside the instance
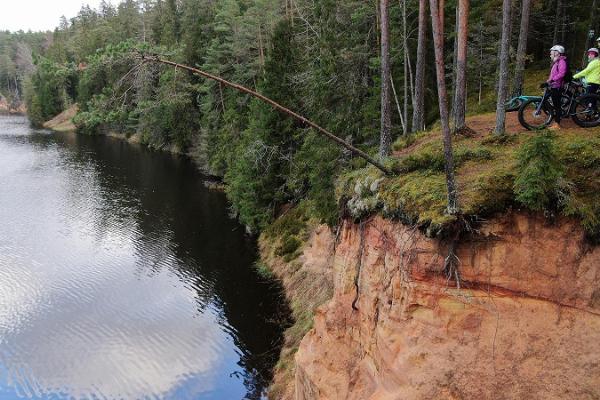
(486, 168)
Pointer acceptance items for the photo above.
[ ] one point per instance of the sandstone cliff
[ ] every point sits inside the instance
(524, 325)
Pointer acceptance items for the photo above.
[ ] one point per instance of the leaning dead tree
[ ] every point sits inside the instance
(146, 58)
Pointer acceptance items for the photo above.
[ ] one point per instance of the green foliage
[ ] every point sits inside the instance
(322, 62)
(538, 173)
(49, 85)
(290, 231)
(288, 247)
(432, 157)
(263, 270)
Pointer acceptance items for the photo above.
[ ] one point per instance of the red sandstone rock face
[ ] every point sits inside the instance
(525, 324)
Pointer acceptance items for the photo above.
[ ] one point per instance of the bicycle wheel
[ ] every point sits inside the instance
(586, 110)
(530, 119)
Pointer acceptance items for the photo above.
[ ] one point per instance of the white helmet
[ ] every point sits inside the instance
(594, 50)
(558, 48)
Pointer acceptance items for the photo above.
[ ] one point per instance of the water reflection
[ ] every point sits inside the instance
(122, 277)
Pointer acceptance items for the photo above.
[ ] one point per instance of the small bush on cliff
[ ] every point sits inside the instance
(539, 173)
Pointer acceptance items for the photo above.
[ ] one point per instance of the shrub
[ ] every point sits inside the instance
(538, 172)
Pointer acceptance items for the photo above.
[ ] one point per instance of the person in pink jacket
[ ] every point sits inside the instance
(555, 81)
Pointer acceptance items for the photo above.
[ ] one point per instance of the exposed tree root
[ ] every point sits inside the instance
(359, 265)
(452, 262)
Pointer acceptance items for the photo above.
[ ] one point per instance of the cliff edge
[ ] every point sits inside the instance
(524, 324)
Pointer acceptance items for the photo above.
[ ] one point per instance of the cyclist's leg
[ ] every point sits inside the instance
(555, 93)
(593, 88)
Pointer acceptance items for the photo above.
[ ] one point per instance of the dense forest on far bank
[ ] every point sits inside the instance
(320, 58)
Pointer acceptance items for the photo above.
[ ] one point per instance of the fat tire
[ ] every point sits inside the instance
(583, 101)
(522, 110)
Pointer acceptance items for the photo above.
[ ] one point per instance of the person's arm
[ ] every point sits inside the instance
(586, 71)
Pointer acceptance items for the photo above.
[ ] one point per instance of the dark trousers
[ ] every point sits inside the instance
(555, 95)
(592, 88)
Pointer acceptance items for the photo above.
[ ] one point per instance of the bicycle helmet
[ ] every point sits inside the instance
(558, 48)
(594, 50)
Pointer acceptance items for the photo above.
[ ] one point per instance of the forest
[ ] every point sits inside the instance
(368, 71)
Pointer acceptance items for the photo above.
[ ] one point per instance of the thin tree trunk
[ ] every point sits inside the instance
(419, 103)
(274, 104)
(454, 68)
(405, 50)
(503, 73)
(397, 104)
(557, 21)
(563, 24)
(480, 60)
(438, 40)
(592, 25)
(522, 47)
(411, 79)
(461, 64)
(261, 51)
(385, 143)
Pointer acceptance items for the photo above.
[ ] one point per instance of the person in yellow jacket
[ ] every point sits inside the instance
(591, 73)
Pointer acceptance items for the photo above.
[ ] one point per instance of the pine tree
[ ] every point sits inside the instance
(385, 136)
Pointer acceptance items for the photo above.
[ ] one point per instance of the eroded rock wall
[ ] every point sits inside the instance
(524, 325)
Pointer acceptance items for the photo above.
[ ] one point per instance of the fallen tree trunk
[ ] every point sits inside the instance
(285, 110)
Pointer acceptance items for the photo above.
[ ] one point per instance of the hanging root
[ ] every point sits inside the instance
(359, 266)
(452, 262)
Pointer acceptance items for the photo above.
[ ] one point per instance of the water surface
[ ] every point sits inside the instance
(122, 277)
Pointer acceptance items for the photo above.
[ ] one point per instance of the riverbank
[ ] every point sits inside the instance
(7, 109)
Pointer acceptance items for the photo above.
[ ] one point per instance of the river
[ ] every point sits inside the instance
(123, 277)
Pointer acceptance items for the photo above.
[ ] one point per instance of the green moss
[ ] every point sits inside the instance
(561, 173)
(406, 141)
(432, 157)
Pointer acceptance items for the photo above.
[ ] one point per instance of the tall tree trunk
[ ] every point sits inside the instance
(557, 21)
(454, 59)
(405, 51)
(503, 73)
(461, 64)
(438, 41)
(418, 122)
(522, 47)
(480, 61)
(592, 26)
(385, 143)
(563, 24)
